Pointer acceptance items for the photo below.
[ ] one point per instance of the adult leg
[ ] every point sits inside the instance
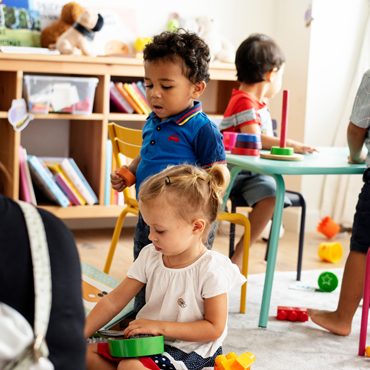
(340, 321)
(258, 218)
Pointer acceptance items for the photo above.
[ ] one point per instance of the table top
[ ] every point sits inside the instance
(328, 161)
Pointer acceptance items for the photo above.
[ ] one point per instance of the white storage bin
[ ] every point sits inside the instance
(74, 95)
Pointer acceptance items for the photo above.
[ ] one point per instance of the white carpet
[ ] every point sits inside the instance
(285, 345)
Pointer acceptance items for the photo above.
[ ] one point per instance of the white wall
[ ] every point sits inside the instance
(336, 37)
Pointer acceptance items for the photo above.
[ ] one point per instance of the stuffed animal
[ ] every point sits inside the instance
(77, 39)
(68, 17)
(220, 48)
(187, 23)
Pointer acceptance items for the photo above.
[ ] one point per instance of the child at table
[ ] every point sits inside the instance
(177, 131)
(187, 284)
(358, 134)
(260, 67)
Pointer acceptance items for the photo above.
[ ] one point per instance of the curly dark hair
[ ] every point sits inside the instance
(192, 50)
(256, 56)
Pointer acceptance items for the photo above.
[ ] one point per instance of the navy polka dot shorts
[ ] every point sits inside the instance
(191, 360)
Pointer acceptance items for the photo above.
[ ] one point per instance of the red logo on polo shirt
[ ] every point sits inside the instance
(174, 137)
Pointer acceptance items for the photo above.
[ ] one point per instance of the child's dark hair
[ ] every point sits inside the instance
(256, 56)
(191, 191)
(192, 50)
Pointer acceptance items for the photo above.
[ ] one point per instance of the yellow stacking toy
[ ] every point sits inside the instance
(330, 252)
(233, 362)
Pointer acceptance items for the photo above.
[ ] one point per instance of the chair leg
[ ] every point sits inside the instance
(232, 230)
(301, 237)
(113, 245)
(247, 236)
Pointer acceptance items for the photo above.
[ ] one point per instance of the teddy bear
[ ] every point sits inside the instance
(220, 48)
(78, 39)
(68, 16)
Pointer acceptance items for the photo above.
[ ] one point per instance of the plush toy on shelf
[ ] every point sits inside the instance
(68, 16)
(221, 49)
(78, 39)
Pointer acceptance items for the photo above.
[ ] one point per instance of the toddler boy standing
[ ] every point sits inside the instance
(177, 131)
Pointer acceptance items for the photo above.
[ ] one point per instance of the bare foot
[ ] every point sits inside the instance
(330, 320)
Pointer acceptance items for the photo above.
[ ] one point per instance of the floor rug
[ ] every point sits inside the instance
(285, 345)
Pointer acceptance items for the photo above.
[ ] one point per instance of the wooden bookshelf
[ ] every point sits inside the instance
(88, 134)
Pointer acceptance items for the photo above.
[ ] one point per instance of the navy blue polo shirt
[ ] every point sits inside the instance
(188, 138)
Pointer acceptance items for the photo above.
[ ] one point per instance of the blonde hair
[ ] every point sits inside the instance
(191, 191)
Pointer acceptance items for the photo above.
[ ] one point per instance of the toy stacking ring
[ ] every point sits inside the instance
(127, 176)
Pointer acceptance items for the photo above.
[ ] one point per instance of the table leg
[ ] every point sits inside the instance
(233, 173)
(274, 241)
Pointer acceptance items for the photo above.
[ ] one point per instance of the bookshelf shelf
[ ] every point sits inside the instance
(88, 134)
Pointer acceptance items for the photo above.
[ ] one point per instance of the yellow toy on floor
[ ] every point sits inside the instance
(233, 362)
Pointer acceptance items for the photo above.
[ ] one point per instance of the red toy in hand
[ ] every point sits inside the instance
(127, 176)
(292, 313)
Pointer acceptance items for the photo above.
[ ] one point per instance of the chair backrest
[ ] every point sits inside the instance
(126, 141)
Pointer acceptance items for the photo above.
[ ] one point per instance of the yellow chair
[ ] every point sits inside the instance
(128, 142)
(240, 219)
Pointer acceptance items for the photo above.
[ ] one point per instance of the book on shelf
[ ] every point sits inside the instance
(82, 177)
(29, 180)
(121, 104)
(141, 95)
(95, 285)
(141, 87)
(73, 176)
(65, 183)
(45, 182)
(128, 97)
(136, 97)
(108, 170)
(24, 191)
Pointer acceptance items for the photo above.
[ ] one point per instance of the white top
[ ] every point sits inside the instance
(178, 294)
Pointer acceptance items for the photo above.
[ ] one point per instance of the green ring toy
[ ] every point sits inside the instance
(281, 151)
(136, 347)
(328, 282)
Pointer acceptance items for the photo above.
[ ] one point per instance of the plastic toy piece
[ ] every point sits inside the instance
(282, 152)
(328, 227)
(292, 313)
(233, 362)
(247, 144)
(229, 139)
(367, 351)
(330, 252)
(328, 282)
(243, 151)
(127, 176)
(136, 347)
(365, 309)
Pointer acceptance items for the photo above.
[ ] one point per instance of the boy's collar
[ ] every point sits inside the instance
(184, 116)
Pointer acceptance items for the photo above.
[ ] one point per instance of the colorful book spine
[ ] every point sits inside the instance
(136, 97)
(29, 180)
(82, 177)
(45, 182)
(24, 192)
(141, 95)
(55, 167)
(118, 100)
(73, 177)
(141, 87)
(108, 170)
(128, 97)
(63, 184)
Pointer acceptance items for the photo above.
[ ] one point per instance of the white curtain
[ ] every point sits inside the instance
(341, 191)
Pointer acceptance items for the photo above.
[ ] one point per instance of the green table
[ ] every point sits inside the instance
(329, 161)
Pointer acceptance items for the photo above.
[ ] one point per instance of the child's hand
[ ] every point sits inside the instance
(360, 160)
(143, 326)
(300, 147)
(117, 182)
